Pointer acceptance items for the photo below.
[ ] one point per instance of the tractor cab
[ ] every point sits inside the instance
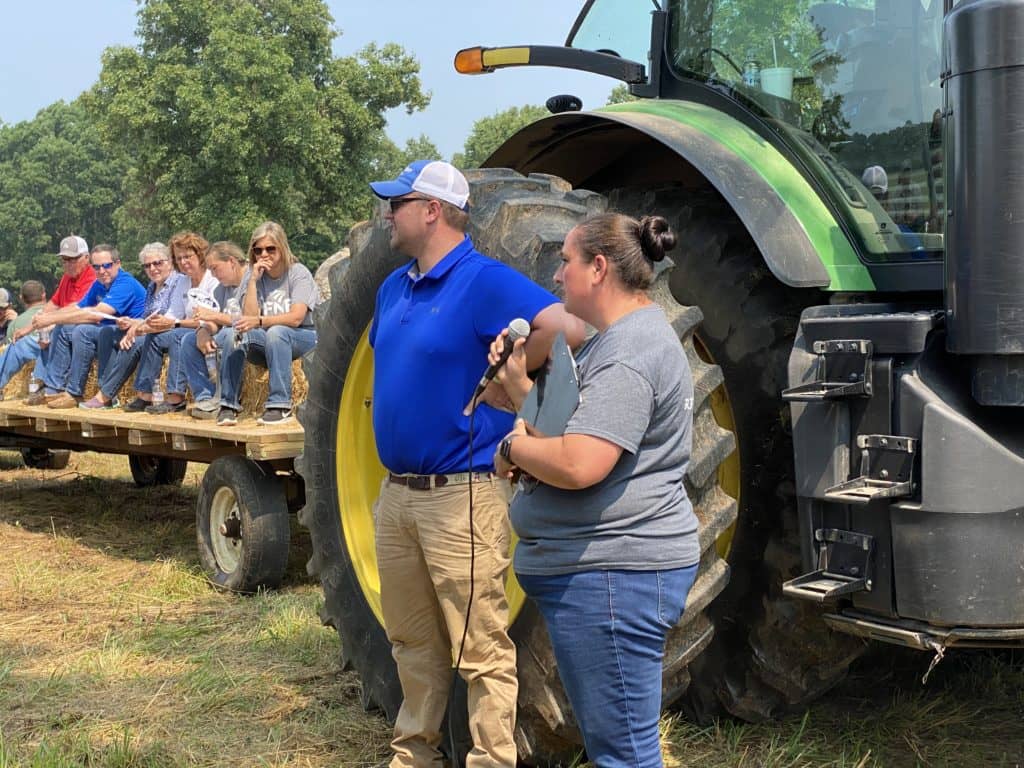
(849, 92)
(852, 88)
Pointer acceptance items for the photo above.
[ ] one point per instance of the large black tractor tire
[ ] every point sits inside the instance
(522, 221)
(44, 458)
(242, 525)
(156, 470)
(771, 655)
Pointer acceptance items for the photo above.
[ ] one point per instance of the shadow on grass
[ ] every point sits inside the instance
(97, 504)
(968, 714)
(238, 682)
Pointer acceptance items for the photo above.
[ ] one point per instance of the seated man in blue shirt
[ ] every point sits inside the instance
(73, 345)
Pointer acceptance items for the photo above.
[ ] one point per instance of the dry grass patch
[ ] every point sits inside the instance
(114, 651)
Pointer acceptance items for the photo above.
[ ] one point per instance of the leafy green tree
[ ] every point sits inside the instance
(235, 111)
(56, 179)
(420, 148)
(488, 133)
(620, 94)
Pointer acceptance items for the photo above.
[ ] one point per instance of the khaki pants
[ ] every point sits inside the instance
(423, 555)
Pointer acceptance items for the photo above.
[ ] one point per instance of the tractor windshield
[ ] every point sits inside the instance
(853, 85)
(853, 88)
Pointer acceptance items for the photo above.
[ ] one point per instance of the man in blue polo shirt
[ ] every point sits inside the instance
(434, 320)
(114, 294)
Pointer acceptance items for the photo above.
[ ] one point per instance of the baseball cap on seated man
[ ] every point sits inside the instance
(5, 298)
(432, 178)
(73, 245)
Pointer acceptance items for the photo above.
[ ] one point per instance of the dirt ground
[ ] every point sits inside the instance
(114, 651)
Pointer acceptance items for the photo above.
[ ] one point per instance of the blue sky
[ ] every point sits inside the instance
(52, 51)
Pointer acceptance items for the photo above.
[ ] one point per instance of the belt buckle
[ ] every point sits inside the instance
(419, 482)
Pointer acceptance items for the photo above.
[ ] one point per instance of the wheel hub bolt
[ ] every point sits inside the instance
(231, 528)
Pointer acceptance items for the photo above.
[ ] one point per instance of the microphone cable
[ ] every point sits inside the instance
(469, 601)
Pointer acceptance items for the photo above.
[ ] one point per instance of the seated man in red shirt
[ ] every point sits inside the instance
(33, 340)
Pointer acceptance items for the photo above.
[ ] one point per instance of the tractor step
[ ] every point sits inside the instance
(845, 560)
(844, 370)
(886, 471)
(822, 586)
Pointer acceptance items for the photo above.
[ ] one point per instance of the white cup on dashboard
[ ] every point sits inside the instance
(778, 81)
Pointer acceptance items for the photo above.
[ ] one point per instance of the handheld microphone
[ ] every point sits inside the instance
(517, 329)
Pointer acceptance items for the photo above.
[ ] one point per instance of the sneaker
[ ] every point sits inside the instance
(204, 414)
(227, 417)
(207, 404)
(64, 400)
(166, 407)
(94, 403)
(41, 397)
(137, 405)
(275, 416)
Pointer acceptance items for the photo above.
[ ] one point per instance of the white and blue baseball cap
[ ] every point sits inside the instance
(432, 178)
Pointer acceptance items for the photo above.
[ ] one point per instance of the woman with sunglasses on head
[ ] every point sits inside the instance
(126, 341)
(188, 251)
(608, 544)
(275, 327)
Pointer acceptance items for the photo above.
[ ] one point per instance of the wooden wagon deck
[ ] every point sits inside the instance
(175, 436)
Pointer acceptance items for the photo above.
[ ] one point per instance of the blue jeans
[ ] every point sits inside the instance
(72, 350)
(158, 345)
(608, 633)
(193, 364)
(121, 362)
(16, 354)
(274, 349)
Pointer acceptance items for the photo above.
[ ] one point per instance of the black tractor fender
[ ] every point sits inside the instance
(604, 150)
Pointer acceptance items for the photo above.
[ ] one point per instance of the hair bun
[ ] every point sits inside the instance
(656, 237)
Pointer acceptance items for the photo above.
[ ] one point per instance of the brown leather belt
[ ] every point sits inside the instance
(426, 482)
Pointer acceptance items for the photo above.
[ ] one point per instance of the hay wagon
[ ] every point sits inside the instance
(247, 491)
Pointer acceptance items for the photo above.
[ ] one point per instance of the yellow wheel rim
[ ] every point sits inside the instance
(728, 470)
(360, 473)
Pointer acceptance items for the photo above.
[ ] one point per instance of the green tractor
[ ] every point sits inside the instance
(849, 288)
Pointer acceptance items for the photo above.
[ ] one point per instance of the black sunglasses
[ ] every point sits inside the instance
(394, 203)
(257, 251)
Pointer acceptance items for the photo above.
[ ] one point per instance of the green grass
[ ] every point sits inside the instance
(115, 652)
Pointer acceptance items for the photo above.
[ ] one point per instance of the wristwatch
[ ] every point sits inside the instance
(177, 323)
(505, 448)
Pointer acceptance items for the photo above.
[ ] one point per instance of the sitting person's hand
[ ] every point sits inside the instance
(10, 314)
(22, 332)
(128, 339)
(205, 342)
(247, 323)
(205, 313)
(160, 323)
(124, 323)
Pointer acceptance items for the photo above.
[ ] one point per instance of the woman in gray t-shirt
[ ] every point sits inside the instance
(608, 540)
(275, 326)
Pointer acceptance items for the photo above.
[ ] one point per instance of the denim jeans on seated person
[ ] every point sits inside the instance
(152, 362)
(72, 350)
(17, 354)
(274, 348)
(121, 363)
(193, 363)
(57, 359)
(608, 633)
